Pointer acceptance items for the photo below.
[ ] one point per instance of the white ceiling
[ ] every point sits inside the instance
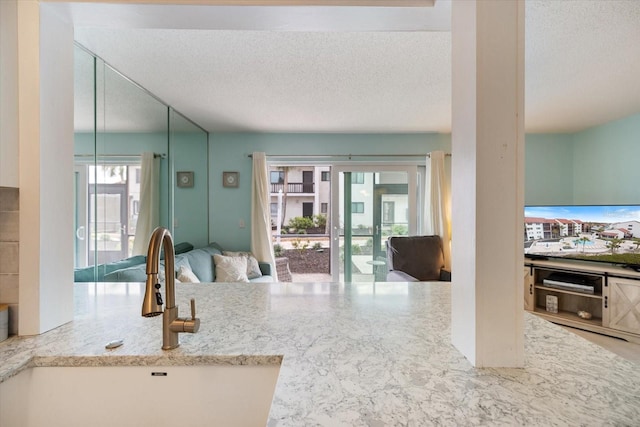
(346, 69)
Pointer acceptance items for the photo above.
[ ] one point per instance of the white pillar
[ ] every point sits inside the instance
(487, 181)
(45, 138)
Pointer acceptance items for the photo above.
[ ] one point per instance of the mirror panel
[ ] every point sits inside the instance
(189, 153)
(116, 121)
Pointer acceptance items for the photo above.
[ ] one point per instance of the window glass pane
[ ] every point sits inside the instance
(277, 177)
(357, 177)
(388, 211)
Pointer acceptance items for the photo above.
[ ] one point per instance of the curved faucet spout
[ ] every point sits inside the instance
(152, 303)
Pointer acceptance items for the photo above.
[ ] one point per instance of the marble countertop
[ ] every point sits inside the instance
(351, 354)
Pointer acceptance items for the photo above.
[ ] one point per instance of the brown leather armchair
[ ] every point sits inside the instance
(416, 259)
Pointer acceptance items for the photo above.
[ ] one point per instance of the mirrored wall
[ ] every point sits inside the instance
(138, 164)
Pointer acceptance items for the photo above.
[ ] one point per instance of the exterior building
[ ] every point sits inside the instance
(632, 228)
(539, 228)
(569, 227)
(306, 191)
(616, 233)
(546, 228)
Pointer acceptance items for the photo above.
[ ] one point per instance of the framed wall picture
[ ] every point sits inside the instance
(230, 179)
(184, 179)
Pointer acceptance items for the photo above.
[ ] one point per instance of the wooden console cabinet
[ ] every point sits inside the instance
(614, 304)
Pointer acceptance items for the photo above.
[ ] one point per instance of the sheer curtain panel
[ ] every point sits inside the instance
(261, 244)
(437, 198)
(149, 214)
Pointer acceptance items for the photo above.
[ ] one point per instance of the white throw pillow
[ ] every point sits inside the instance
(253, 268)
(185, 275)
(230, 269)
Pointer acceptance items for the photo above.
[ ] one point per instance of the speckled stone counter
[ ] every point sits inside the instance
(352, 355)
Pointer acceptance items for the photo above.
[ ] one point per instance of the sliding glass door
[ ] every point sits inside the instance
(108, 225)
(370, 204)
(107, 199)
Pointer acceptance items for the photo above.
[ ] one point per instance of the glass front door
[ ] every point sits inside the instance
(370, 206)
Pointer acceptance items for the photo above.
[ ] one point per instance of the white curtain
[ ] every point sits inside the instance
(437, 199)
(261, 244)
(149, 214)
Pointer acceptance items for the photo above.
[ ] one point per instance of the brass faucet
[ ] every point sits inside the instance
(172, 325)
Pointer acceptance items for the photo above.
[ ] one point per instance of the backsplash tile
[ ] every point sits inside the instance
(9, 226)
(9, 288)
(9, 257)
(9, 200)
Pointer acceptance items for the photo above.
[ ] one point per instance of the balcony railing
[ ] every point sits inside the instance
(294, 187)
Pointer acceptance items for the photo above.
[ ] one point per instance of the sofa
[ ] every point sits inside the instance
(199, 261)
(416, 259)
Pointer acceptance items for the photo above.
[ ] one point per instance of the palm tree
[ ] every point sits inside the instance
(614, 244)
(583, 240)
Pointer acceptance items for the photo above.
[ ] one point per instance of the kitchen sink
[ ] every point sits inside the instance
(204, 395)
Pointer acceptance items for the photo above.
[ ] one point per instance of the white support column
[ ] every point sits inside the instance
(45, 138)
(487, 181)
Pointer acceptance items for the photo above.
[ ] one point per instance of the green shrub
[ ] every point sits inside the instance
(300, 245)
(278, 250)
(300, 223)
(399, 230)
(320, 220)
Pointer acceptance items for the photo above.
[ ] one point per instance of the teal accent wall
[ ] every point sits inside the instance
(549, 173)
(597, 166)
(606, 161)
(189, 153)
(229, 152)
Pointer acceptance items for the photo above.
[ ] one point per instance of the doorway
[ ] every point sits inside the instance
(300, 198)
(370, 204)
(107, 199)
(307, 210)
(108, 223)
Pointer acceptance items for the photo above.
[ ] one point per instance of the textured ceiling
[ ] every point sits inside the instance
(582, 63)
(582, 67)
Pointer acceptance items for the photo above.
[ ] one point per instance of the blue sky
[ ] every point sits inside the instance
(604, 214)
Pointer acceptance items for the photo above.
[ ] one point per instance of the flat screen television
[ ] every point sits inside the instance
(598, 233)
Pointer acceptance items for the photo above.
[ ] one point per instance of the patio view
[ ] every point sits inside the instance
(301, 216)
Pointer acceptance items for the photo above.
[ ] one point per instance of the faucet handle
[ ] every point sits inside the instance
(191, 325)
(193, 308)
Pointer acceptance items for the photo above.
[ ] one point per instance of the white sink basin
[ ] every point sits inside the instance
(212, 395)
